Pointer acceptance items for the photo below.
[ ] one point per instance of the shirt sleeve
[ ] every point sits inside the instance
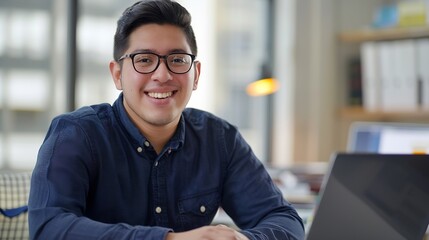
(60, 188)
(251, 198)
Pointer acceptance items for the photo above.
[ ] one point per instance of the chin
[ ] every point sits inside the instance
(160, 119)
(161, 116)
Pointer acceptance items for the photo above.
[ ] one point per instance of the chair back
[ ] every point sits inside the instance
(14, 191)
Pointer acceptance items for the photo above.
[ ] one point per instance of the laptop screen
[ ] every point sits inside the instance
(373, 196)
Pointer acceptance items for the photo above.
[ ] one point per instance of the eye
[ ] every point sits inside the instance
(179, 59)
(145, 59)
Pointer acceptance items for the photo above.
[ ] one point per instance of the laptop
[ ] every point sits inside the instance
(373, 196)
(383, 137)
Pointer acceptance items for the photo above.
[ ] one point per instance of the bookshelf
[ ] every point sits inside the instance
(328, 44)
(350, 40)
(356, 38)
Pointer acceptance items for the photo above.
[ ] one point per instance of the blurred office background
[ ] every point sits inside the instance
(305, 121)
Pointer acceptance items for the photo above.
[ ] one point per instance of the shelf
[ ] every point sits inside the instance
(358, 113)
(359, 36)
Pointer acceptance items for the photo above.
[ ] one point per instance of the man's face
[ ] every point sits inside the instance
(156, 98)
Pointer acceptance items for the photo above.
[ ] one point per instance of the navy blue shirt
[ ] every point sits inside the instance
(98, 177)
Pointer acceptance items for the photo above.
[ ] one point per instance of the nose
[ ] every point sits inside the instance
(162, 74)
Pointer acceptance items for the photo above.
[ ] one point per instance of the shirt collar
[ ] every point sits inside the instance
(175, 142)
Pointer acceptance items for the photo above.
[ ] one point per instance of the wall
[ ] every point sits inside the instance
(320, 70)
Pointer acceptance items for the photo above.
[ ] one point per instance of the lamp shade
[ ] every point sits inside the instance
(262, 87)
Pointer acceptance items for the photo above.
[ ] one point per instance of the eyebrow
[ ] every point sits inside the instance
(176, 50)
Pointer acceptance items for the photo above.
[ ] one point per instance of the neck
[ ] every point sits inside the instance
(158, 136)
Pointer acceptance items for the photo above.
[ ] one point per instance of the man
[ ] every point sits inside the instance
(146, 167)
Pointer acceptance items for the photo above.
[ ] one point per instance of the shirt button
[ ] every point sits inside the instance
(139, 149)
(158, 210)
(202, 209)
(146, 143)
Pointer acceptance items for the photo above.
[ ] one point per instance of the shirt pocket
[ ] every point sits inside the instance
(198, 210)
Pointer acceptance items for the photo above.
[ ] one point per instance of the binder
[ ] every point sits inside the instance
(399, 89)
(388, 79)
(405, 80)
(370, 76)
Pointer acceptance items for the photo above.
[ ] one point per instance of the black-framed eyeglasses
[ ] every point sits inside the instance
(148, 62)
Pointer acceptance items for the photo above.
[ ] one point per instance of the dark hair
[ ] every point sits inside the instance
(152, 11)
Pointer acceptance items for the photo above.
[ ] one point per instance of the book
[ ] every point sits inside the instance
(412, 13)
(422, 50)
(354, 84)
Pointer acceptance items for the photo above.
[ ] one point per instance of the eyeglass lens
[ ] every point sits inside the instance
(149, 62)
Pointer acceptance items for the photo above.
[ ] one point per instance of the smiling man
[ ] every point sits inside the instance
(147, 167)
(157, 78)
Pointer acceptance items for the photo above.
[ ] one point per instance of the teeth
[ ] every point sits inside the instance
(160, 95)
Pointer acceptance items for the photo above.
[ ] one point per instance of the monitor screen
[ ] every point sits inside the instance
(370, 137)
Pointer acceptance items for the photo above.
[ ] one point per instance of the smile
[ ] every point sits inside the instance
(160, 95)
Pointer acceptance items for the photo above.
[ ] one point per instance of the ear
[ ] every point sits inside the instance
(197, 71)
(115, 71)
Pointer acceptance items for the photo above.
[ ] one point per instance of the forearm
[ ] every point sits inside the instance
(253, 200)
(285, 226)
(69, 226)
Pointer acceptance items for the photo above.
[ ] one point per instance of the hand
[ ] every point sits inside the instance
(218, 232)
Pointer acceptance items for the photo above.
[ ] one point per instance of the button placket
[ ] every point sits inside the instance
(159, 191)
